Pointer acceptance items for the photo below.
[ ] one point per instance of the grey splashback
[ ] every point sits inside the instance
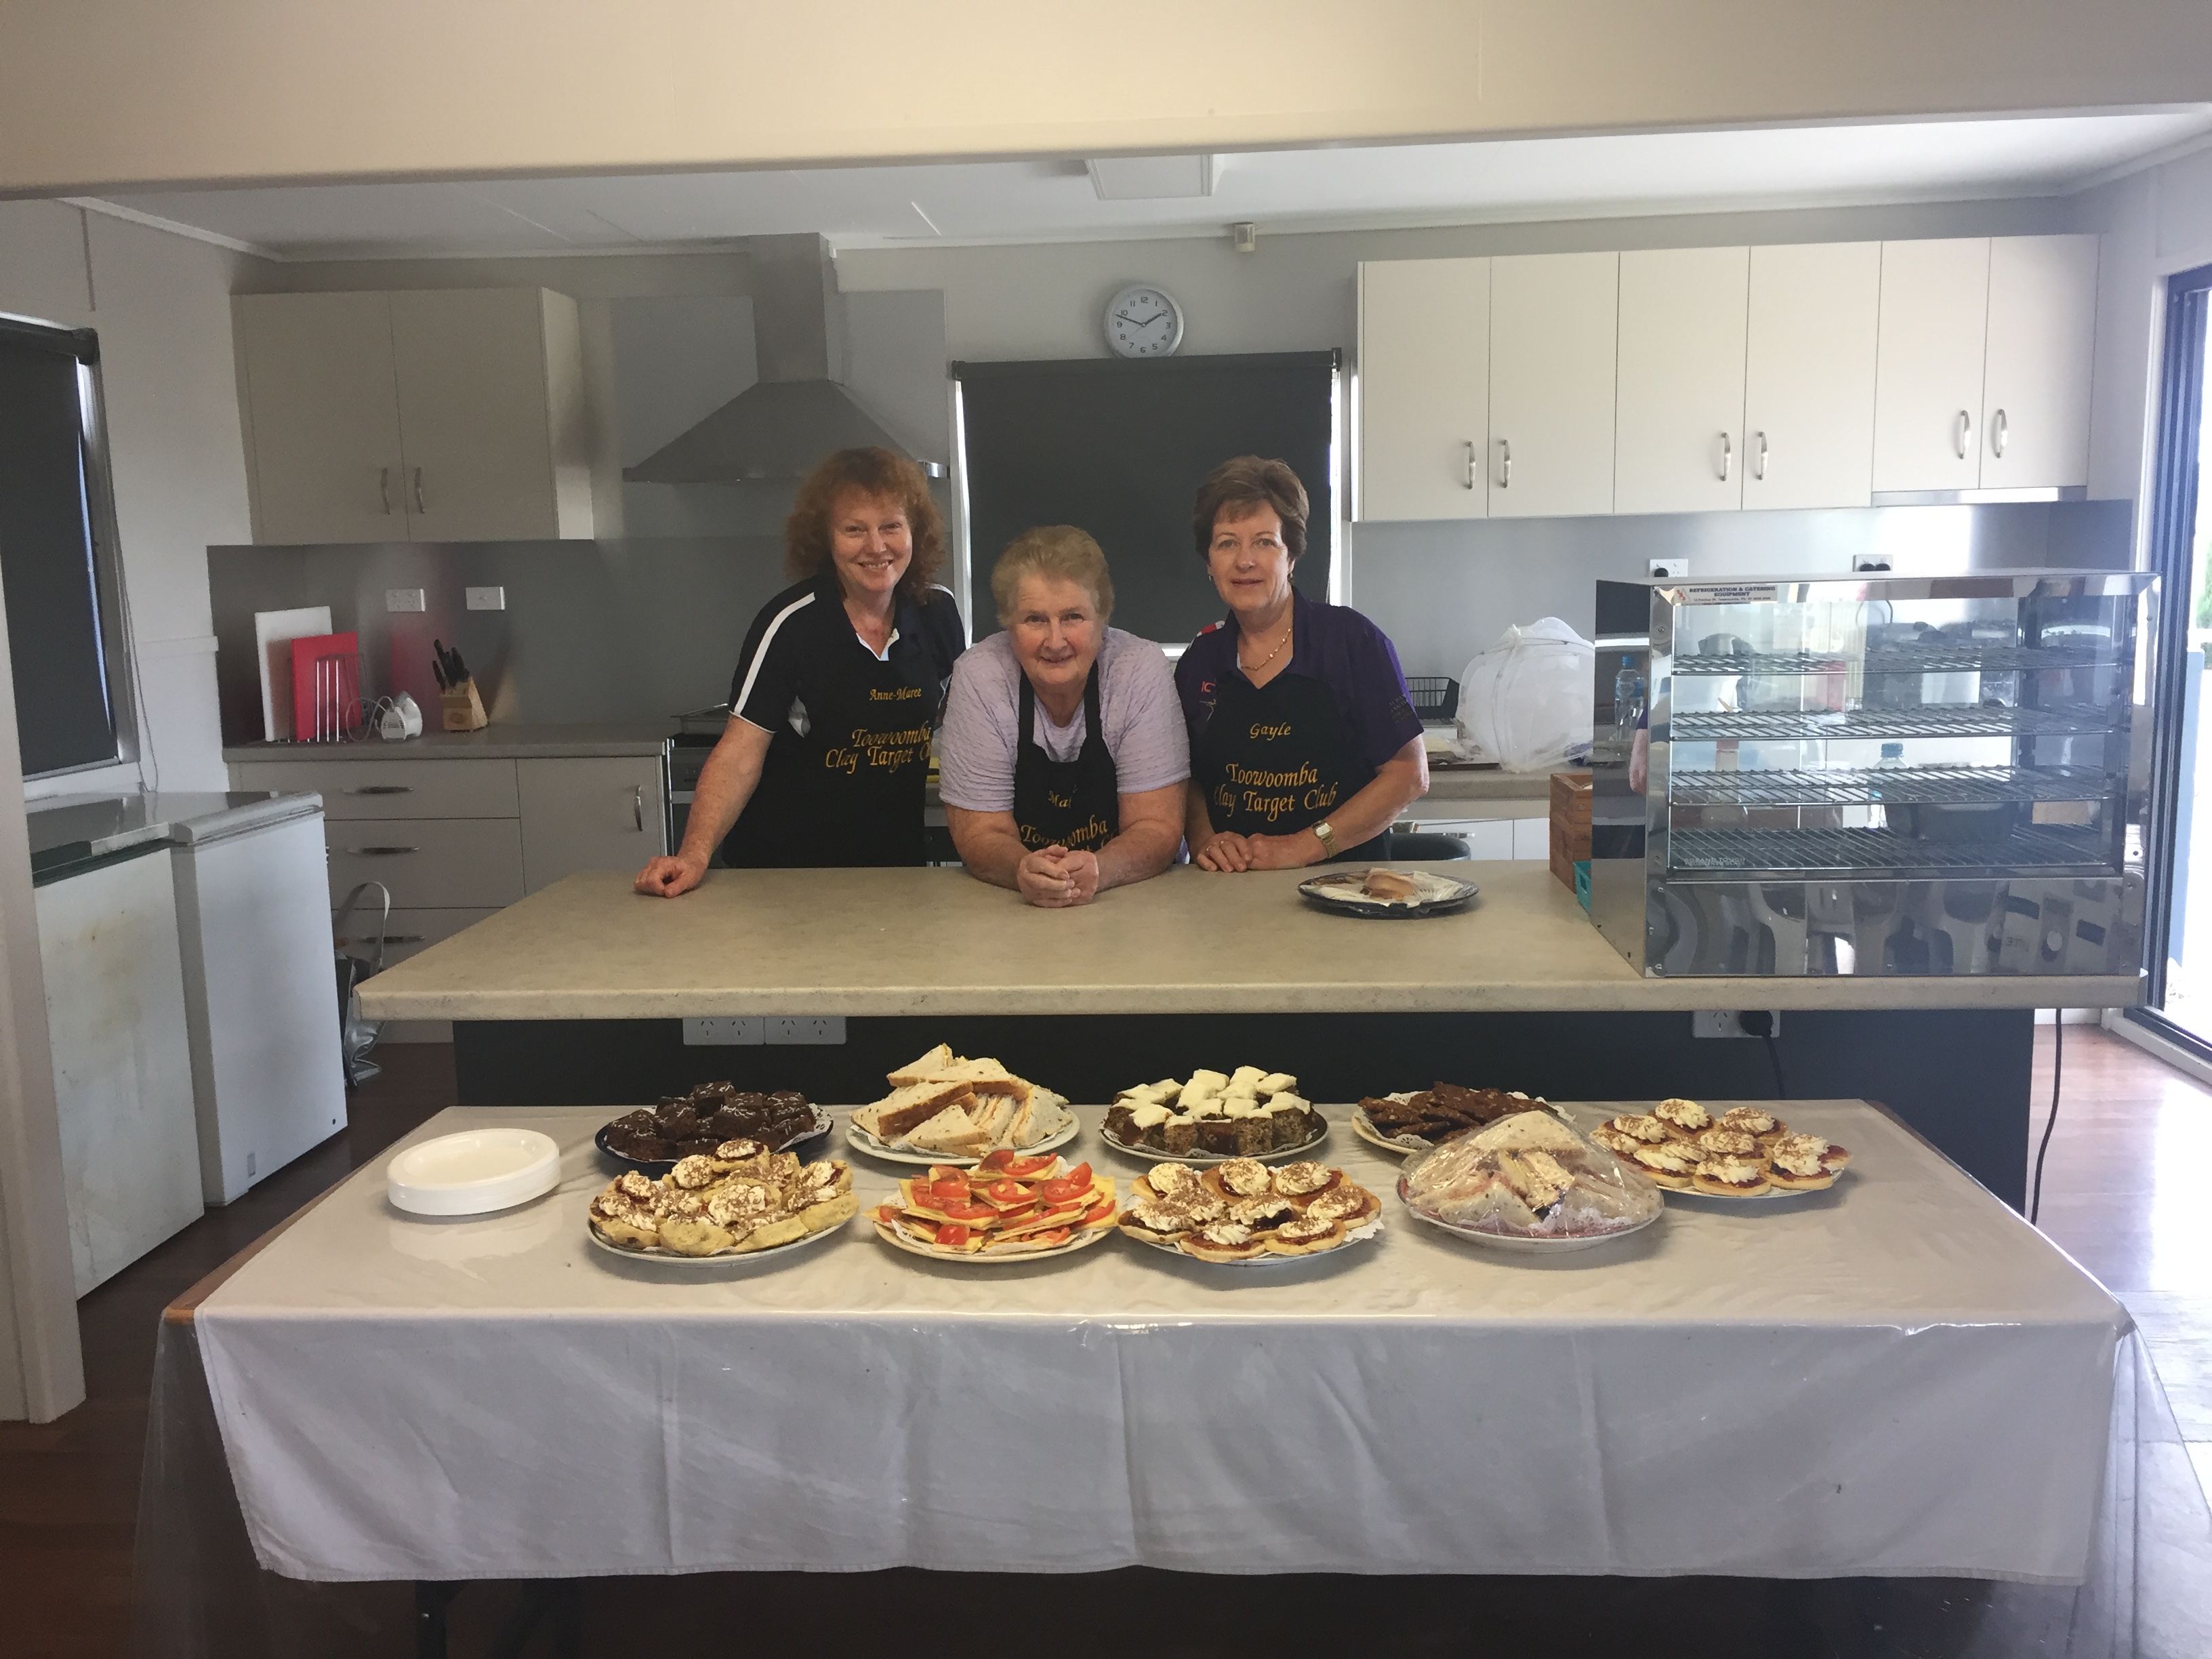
(1443, 592)
(593, 630)
(643, 629)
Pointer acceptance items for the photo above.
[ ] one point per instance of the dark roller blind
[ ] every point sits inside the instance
(64, 717)
(1119, 448)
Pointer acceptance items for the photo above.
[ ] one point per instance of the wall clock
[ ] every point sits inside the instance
(1143, 321)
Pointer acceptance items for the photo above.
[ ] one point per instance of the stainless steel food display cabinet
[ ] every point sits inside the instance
(1897, 775)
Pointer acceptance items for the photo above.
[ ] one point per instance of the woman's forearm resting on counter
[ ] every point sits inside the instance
(991, 848)
(726, 784)
(1397, 784)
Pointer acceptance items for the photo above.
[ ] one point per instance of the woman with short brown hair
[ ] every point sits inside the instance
(841, 679)
(1303, 742)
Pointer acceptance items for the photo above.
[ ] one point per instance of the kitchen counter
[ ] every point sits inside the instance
(1470, 784)
(938, 942)
(494, 742)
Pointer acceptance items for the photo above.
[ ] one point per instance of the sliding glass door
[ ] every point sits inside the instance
(2180, 889)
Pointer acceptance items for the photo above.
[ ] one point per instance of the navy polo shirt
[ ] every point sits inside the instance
(1331, 643)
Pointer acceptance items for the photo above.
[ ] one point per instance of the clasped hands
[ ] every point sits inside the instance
(1053, 877)
(1229, 851)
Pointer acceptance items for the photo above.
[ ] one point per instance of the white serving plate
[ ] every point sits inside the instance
(1082, 1241)
(473, 1173)
(861, 1141)
(1272, 1155)
(1366, 1231)
(1530, 1246)
(660, 1258)
(1770, 1193)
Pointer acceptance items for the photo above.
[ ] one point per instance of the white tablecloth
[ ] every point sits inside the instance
(1896, 1377)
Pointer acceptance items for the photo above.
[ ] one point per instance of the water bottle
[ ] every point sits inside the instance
(1624, 702)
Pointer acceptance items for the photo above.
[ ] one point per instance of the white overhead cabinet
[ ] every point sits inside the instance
(1679, 435)
(1809, 374)
(432, 416)
(1984, 377)
(1423, 388)
(1705, 380)
(2035, 390)
(1552, 337)
(1928, 374)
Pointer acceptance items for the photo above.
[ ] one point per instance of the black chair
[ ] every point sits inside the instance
(1414, 844)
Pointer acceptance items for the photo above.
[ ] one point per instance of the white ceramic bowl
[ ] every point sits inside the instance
(474, 1172)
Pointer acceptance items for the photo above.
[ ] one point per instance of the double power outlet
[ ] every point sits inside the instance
(752, 1030)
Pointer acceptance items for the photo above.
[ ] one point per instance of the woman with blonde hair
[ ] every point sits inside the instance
(1062, 760)
(841, 679)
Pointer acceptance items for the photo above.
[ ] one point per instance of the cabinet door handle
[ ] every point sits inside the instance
(1505, 463)
(1966, 425)
(1469, 480)
(380, 852)
(1758, 459)
(383, 488)
(383, 789)
(403, 939)
(1999, 427)
(637, 805)
(1727, 456)
(419, 507)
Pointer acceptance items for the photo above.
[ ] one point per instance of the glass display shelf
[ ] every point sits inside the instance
(1951, 657)
(1863, 786)
(1858, 851)
(1929, 720)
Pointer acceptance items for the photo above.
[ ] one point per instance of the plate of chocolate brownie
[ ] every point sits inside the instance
(651, 1139)
(1414, 1123)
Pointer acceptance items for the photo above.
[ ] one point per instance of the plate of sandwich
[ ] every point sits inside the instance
(1387, 893)
(945, 1109)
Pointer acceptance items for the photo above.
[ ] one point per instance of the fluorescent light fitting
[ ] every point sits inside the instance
(1150, 178)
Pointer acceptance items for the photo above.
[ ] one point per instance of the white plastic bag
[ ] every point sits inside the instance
(1525, 703)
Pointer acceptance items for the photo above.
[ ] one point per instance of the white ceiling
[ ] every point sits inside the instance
(1281, 190)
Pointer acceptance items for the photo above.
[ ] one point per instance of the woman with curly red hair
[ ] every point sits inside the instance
(841, 679)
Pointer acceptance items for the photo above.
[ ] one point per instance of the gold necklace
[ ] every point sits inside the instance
(1255, 668)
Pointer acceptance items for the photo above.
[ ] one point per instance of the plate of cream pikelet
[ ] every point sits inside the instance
(1746, 1155)
(711, 1212)
(1241, 1213)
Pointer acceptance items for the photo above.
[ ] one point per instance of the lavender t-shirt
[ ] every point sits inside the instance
(1137, 705)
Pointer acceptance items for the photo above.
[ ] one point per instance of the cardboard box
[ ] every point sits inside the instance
(1571, 824)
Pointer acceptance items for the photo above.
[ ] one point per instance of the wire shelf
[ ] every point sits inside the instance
(1931, 721)
(1951, 657)
(1865, 785)
(1864, 850)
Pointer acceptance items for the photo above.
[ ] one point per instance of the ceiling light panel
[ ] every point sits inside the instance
(1152, 178)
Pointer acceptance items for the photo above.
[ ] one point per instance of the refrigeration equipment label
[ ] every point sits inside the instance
(1728, 592)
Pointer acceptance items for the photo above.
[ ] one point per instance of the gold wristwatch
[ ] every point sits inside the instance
(1326, 838)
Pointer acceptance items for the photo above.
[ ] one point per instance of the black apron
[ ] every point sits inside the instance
(1278, 758)
(1073, 803)
(848, 794)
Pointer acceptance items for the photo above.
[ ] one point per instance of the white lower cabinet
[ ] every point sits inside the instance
(1491, 838)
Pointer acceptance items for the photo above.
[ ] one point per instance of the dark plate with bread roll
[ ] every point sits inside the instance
(1388, 894)
(652, 1138)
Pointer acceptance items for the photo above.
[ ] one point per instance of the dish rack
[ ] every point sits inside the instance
(1894, 775)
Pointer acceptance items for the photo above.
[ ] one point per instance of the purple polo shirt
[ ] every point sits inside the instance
(1331, 643)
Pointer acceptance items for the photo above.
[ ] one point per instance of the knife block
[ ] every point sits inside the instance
(464, 709)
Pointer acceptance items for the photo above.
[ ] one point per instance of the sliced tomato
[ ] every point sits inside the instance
(971, 1214)
(1098, 1213)
(887, 1213)
(1080, 1175)
(1051, 1236)
(998, 1161)
(1064, 1190)
(1023, 1168)
(948, 1192)
(952, 1237)
(1005, 1193)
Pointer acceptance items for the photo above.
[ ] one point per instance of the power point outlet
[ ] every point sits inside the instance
(487, 599)
(1672, 570)
(403, 599)
(1873, 563)
(724, 1031)
(1729, 1022)
(809, 1029)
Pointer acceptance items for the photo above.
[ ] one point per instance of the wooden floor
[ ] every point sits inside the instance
(68, 1489)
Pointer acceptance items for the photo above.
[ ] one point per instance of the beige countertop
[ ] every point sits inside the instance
(494, 742)
(861, 942)
(1528, 790)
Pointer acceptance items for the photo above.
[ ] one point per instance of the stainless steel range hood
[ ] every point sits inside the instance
(800, 409)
